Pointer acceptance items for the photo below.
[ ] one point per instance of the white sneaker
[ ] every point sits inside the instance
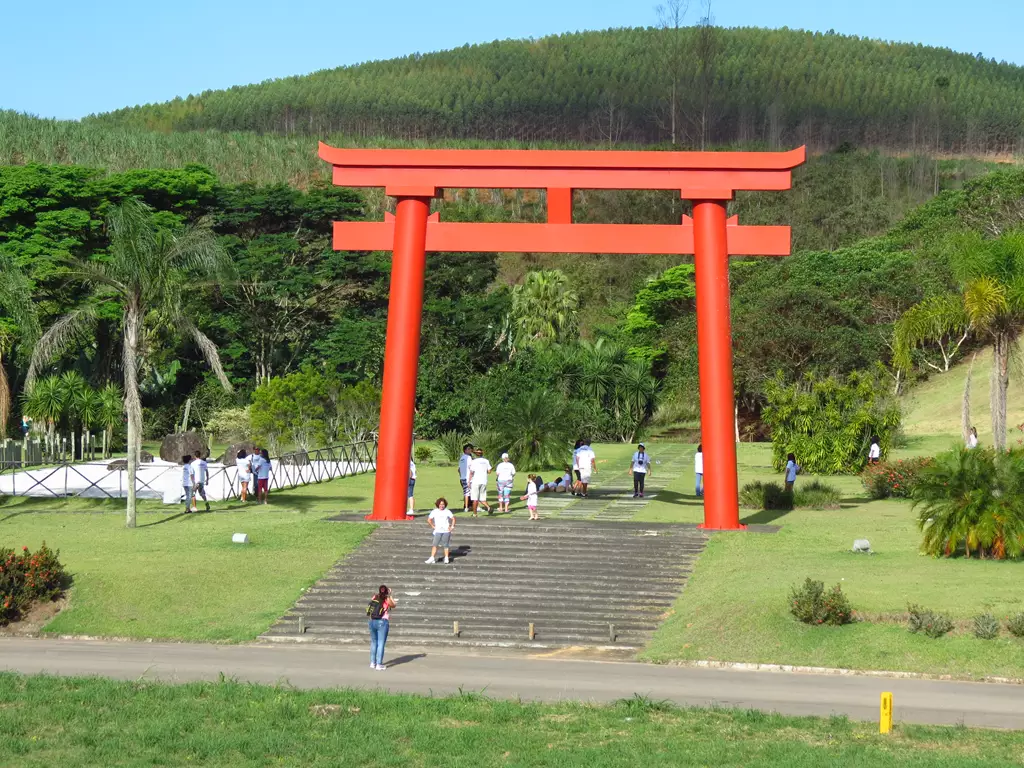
(430, 561)
(446, 561)
(372, 665)
(381, 667)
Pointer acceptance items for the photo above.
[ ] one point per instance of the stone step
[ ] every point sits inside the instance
(499, 568)
(468, 579)
(545, 634)
(493, 597)
(621, 624)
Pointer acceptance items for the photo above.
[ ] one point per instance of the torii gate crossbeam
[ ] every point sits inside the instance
(708, 179)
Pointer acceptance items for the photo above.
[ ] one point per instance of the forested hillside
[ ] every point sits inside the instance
(692, 86)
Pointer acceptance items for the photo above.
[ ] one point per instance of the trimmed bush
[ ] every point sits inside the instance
(424, 454)
(1015, 625)
(930, 623)
(26, 578)
(758, 495)
(811, 604)
(816, 495)
(986, 626)
(896, 479)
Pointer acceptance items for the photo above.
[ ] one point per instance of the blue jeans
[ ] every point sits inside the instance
(700, 484)
(189, 491)
(378, 636)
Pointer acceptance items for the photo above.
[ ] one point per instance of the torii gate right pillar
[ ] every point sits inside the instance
(714, 355)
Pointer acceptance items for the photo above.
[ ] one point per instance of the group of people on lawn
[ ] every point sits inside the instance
(253, 471)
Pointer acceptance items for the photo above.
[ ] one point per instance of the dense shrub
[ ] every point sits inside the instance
(816, 495)
(1015, 624)
(896, 479)
(26, 578)
(972, 501)
(230, 425)
(986, 626)
(758, 495)
(451, 443)
(928, 622)
(828, 423)
(423, 454)
(811, 604)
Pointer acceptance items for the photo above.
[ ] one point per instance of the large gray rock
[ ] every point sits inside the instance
(230, 456)
(145, 457)
(297, 459)
(175, 446)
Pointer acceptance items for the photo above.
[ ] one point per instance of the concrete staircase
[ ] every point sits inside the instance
(578, 583)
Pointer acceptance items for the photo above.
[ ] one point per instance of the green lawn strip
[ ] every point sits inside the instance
(735, 605)
(86, 722)
(182, 577)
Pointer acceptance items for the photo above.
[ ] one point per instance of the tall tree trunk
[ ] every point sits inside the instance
(965, 406)
(1000, 385)
(132, 401)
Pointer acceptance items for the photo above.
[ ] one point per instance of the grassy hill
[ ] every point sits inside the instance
(933, 407)
(744, 85)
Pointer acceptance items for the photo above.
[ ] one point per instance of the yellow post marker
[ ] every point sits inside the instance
(885, 718)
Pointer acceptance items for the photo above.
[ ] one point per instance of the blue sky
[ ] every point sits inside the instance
(69, 58)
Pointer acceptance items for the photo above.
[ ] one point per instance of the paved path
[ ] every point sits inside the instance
(544, 679)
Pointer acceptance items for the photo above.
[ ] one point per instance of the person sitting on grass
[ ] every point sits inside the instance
(442, 523)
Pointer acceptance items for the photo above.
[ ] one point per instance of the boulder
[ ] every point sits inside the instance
(145, 457)
(230, 456)
(177, 445)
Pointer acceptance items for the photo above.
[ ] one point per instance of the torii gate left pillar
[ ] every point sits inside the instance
(708, 179)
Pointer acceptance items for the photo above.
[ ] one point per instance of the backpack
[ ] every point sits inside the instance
(375, 608)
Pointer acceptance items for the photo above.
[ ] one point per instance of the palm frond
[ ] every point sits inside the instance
(209, 350)
(930, 320)
(57, 338)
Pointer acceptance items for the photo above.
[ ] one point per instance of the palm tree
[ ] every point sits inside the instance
(544, 308)
(45, 402)
(146, 272)
(536, 430)
(990, 303)
(111, 412)
(16, 301)
(635, 390)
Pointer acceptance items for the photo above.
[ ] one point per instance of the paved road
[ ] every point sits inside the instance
(544, 679)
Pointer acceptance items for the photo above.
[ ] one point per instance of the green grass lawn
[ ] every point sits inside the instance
(734, 607)
(89, 722)
(179, 576)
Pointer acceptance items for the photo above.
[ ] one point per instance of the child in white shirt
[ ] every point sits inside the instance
(531, 496)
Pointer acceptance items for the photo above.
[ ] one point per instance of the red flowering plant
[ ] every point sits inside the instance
(896, 479)
(28, 577)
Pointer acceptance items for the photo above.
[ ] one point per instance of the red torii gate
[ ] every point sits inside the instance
(708, 179)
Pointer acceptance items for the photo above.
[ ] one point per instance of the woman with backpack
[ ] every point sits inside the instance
(379, 613)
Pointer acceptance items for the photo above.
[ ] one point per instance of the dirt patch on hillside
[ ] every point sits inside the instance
(37, 617)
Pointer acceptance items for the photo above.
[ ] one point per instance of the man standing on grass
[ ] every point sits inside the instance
(464, 460)
(200, 471)
(479, 469)
(188, 480)
(586, 463)
(639, 467)
(442, 523)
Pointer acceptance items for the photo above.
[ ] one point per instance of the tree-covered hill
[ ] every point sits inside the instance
(698, 85)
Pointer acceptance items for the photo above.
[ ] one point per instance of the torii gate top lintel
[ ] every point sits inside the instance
(708, 179)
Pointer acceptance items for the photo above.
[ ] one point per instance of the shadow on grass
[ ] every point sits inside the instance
(163, 520)
(675, 497)
(765, 516)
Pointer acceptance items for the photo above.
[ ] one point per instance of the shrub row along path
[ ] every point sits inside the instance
(437, 672)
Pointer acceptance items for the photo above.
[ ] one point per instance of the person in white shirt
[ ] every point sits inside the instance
(698, 468)
(442, 523)
(479, 469)
(874, 452)
(972, 438)
(576, 449)
(412, 487)
(504, 473)
(464, 459)
(188, 480)
(586, 463)
(640, 467)
(531, 496)
(200, 472)
(244, 473)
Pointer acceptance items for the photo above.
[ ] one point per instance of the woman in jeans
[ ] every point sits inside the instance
(379, 628)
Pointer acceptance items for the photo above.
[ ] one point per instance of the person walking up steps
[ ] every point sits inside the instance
(639, 467)
(531, 496)
(442, 523)
(464, 461)
(505, 473)
(379, 614)
(200, 471)
(412, 487)
(586, 463)
(698, 469)
(479, 469)
(188, 481)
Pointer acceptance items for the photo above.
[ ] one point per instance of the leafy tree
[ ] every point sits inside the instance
(990, 302)
(16, 301)
(292, 409)
(829, 422)
(544, 308)
(147, 269)
(110, 414)
(971, 499)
